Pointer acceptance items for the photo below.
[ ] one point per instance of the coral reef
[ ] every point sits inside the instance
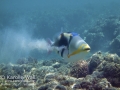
(95, 60)
(109, 68)
(79, 69)
(104, 35)
(28, 60)
(115, 44)
(92, 83)
(100, 72)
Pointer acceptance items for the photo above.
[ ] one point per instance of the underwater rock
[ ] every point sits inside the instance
(85, 83)
(112, 73)
(94, 61)
(115, 45)
(102, 84)
(60, 87)
(28, 60)
(56, 65)
(3, 88)
(64, 69)
(27, 68)
(32, 60)
(53, 62)
(98, 74)
(48, 62)
(67, 82)
(104, 74)
(49, 77)
(111, 70)
(7, 70)
(15, 69)
(79, 69)
(41, 72)
(43, 88)
(48, 86)
(18, 70)
(92, 83)
(115, 82)
(22, 61)
(112, 58)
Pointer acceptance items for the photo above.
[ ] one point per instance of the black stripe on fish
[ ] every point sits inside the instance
(62, 52)
(63, 40)
(69, 43)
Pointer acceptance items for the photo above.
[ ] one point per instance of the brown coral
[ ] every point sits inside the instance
(95, 60)
(112, 70)
(79, 69)
(112, 58)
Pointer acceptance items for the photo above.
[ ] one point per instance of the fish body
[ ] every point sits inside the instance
(70, 46)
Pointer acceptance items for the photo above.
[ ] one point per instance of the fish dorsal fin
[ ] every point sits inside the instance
(61, 29)
(74, 34)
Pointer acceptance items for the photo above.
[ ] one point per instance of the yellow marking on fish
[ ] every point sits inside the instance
(77, 51)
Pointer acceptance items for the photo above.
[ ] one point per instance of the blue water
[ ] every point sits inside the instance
(32, 20)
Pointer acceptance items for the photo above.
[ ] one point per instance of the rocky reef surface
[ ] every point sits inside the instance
(104, 34)
(100, 72)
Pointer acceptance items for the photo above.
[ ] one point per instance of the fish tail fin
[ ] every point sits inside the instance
(50, 43)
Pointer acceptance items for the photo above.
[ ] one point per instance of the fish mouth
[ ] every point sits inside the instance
(86, 48)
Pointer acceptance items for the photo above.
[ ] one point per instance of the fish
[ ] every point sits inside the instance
(70, 46)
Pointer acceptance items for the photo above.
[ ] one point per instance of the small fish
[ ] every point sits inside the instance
(70, 46)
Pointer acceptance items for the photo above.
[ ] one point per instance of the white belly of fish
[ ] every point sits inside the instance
(74, 58)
